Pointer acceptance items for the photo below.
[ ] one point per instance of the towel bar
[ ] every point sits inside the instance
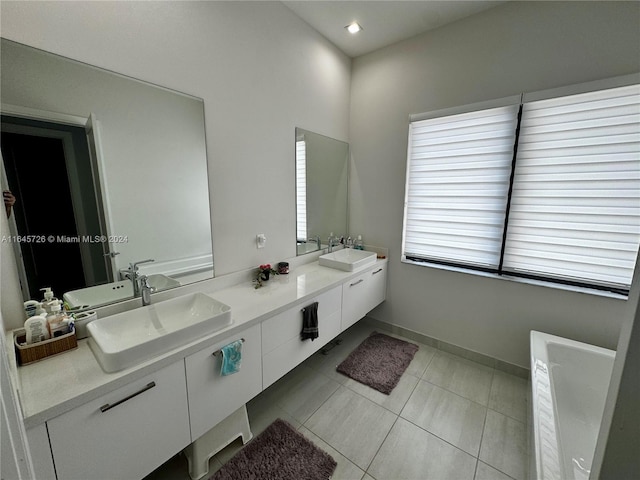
(217, 352)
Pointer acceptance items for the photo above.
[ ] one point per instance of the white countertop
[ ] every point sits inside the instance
(58, 384)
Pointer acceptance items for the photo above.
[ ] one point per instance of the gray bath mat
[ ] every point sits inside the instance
(379, 361)
(278, 453)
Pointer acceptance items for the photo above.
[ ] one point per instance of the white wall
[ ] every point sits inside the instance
(261, 72)
(520, 46)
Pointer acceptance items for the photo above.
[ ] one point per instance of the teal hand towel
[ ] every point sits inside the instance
(231, 358)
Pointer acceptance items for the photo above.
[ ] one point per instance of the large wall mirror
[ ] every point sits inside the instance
(322, 178)
(106, 171)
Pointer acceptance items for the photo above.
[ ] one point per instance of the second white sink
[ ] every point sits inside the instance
(126, 339)
(348, 259)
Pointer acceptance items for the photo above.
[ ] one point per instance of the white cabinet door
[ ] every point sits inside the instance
(282, 348)
(213, 397)
(362, 294)
(125, 434)
(41, 453)
(378, 286)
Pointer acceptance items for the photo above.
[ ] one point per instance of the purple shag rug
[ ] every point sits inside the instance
(278, 453)
(379, 361)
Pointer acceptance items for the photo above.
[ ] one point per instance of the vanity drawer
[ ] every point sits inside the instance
(213, 397)
(125, 434)
(362, 294)
(287, 325)
(286, 350)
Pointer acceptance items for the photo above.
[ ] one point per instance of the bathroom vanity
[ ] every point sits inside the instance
(83, 423)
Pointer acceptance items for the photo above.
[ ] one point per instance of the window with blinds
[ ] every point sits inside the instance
(457, 184)
(549, 189)
(575, 207)
(301, 190)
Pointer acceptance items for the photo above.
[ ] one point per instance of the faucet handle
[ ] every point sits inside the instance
(134, 266)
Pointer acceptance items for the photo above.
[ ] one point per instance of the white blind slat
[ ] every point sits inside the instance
(301, 191)
(576, 194)
(457, 184)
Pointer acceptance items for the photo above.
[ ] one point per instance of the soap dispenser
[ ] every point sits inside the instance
(48, 294)
(358, 244)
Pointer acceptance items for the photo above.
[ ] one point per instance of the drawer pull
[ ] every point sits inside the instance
(356, 283)
(108, 406)
(377, 271)
(218, 352)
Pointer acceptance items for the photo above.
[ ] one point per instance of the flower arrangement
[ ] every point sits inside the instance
(263, 273)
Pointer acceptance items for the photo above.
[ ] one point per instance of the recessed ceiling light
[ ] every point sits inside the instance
(353, 27)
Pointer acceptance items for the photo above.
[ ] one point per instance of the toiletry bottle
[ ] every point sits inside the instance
(48, 299)
(358, 244)
(56, 320)
(36, 328)
(40, 310)
(30, 307)
(48, 295)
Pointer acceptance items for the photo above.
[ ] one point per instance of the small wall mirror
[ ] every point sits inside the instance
(322, 178)
(107, 170)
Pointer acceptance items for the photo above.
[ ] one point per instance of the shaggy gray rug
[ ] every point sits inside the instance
(278, 453)
(379, 361)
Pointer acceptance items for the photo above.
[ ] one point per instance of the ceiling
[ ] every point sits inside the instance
(383, 22)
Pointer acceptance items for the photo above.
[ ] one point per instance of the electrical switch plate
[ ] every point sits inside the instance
(261, 240)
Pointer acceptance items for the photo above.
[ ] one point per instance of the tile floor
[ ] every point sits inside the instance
(448, 418)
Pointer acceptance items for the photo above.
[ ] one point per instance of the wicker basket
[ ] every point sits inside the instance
(27, 354)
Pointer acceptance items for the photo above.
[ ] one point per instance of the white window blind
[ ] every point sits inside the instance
(301, 190)
(458, 174)
(575, 205)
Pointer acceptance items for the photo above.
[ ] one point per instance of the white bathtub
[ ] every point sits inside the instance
(569, 383)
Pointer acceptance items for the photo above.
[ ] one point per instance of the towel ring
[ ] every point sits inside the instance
(217, 352)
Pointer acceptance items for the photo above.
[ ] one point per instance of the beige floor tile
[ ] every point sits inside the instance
(487, 472)
(451, 417)
(421, 359)
(509, 395)
(458, 375)
(411, 453)
(345, 470)
(263, 411)
(394, 401)
(352, 424)
(504, 445)
(301, 392)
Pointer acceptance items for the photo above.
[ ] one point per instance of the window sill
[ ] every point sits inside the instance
(528, 281)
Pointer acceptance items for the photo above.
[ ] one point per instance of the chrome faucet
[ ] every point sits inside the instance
(333, 241)
(317, 240)
(132, 274)
(145, 290)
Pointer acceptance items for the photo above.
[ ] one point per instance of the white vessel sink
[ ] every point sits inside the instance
(126, 339)
(348, 259)
(114, 292)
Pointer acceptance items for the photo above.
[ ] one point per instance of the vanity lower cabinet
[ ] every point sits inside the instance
(38, 438)
(362, 294)
(125, 434)
(282, 348)
(213, 397)
(131, 431)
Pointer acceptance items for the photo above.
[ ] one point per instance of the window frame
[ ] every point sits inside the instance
(500, 271)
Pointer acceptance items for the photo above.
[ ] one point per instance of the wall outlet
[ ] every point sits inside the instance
(261, 240)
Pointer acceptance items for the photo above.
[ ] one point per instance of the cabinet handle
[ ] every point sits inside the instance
(377, 271)
(108, 406)
(356, 283)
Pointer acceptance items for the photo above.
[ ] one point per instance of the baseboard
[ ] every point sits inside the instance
(451, 348)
